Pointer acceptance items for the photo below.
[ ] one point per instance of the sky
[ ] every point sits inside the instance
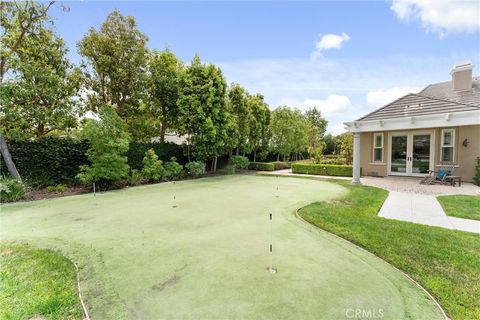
(347, 58)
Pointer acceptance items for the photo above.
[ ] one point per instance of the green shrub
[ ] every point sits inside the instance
(11, 190)
(336, 160)
(261, 166)
(108, 143)
(152, 167)
(165, 151)
(280, 165)
(322, 169)
(476, 178)
(57, 188)
(49, 160)
(135, 178)
(229, 168)
(173, 170)
(239, 162)
(195, 168)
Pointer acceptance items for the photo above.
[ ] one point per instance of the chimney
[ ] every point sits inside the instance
(462, 76)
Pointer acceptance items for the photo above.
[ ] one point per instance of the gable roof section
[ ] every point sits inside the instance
(444, 90)
(414, 104)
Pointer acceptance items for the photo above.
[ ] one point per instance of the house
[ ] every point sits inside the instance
(416, 132)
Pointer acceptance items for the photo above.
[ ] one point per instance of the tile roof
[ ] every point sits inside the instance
(434, 99)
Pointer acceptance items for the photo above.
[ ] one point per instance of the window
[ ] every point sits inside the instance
(377, 147)
(448, 145)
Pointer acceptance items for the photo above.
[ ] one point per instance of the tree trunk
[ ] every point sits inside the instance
(8, 159)
(243, 153)
(188, 148)
(255, 155)
(278, 157)
(230, 153)
(40, 130)
(163, 129)
(211, 166)
(215, 165)
(238, 151)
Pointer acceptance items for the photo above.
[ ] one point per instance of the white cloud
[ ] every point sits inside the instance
(441, 16)
(379, 98)
(329, 41)
(336, 129)
(334, 104)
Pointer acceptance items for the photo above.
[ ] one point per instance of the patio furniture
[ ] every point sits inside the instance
(440, 176)
(453, 179)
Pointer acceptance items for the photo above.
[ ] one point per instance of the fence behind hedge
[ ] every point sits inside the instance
(55, 160)
(322, 169)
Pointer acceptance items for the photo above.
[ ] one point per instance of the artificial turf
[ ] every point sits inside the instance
(198, 249)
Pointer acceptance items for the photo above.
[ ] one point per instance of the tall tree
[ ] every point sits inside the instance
(239, 107)
(345, 146)
(116, 58)
(259, 124)
(41, 95)
(164, 78)
(282, 128)
(18, 20)
(203, 115)
(316, 126)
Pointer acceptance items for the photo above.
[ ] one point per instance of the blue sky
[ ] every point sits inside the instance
(371, 51)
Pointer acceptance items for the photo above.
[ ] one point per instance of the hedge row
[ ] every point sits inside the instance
(54, 160)
(280, 165)
(322, 169)
(261, 166)
(47, 161)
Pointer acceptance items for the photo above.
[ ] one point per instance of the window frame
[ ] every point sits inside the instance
(374, 147)
(452, 145)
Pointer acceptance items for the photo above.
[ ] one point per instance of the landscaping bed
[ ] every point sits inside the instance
(445, 262)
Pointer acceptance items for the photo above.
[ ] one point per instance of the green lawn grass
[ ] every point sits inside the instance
(461, 206)
(37, 282)
(198, 249)
(445, 262)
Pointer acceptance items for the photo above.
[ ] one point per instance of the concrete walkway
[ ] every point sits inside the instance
(423, 209)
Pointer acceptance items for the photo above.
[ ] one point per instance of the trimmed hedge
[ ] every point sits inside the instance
(261, 166)
(54, 160)
(323, 169)
(165, 152)
(48, 160)
(280, 165)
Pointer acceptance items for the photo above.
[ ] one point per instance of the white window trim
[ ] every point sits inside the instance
(375, 135)
(451, 146)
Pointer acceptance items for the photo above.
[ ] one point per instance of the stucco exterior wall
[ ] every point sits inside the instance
(463, 156)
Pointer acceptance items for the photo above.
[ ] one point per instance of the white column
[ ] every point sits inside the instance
(356, 158)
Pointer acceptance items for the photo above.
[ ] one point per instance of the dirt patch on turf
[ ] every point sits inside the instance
(168, 283)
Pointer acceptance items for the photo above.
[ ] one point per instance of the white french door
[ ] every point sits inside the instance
(410, 153)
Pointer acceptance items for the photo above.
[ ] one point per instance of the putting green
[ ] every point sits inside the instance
(207, 258)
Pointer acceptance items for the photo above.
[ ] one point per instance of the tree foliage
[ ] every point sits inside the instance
(115, 67)
(41, 95)
(203, 115)
(163, 84)
(108, 144)
(345, 146)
